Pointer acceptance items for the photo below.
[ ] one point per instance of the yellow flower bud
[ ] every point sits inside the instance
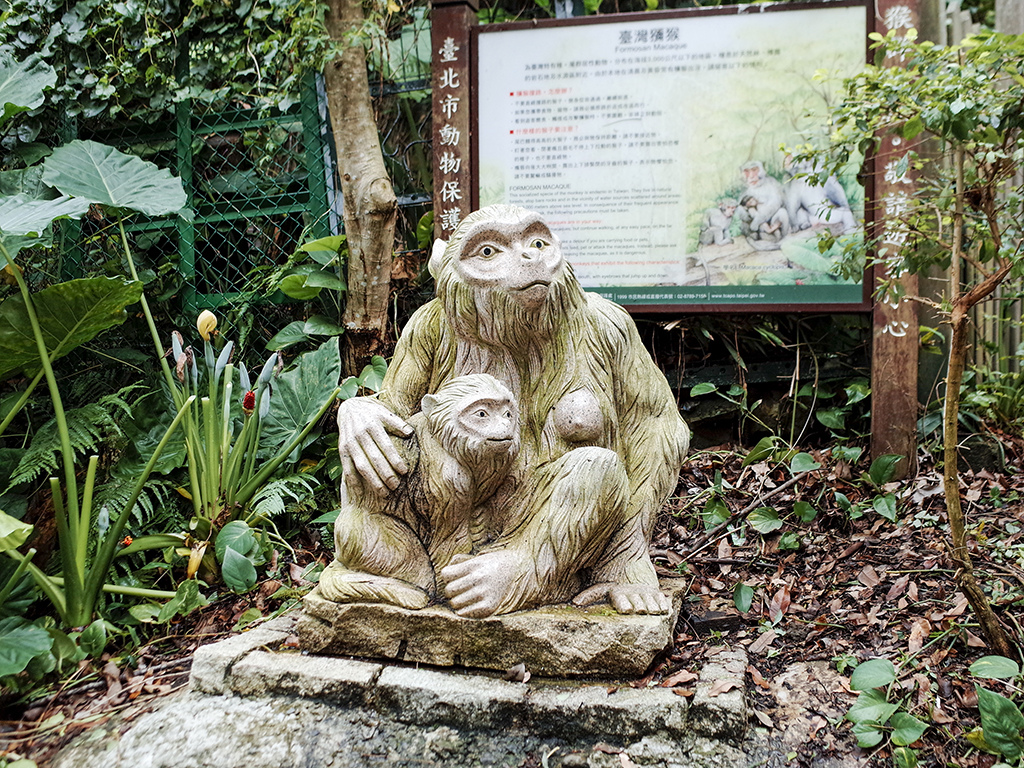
(206, 323)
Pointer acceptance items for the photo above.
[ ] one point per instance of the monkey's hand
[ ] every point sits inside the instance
(626, 598)
(478, 586)
(365, 446)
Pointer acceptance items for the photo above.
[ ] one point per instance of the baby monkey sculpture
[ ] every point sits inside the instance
(580, 441)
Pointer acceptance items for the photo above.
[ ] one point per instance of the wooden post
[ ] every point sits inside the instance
(895, 341)
(450, 23)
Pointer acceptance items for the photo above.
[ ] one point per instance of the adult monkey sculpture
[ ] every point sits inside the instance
(601, 440)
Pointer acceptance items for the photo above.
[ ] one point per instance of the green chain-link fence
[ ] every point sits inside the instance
(257, 185)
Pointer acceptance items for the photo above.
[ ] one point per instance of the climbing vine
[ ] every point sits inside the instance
(124, 58)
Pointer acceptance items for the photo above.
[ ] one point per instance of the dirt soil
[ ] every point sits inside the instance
(851, 590)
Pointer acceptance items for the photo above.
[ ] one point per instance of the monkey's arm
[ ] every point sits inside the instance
(653, 441)
(366, 424)
(411, 371)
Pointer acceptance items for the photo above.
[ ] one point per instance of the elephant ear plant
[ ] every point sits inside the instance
(86, 174)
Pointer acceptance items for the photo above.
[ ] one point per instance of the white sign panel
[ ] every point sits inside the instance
(652, 146)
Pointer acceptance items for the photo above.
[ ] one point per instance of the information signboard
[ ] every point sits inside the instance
(652, 143)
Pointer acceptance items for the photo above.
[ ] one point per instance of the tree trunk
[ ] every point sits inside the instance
(370, 206)
(992, 630)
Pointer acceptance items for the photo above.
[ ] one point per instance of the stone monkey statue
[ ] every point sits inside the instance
(389, 548)
(714, 229)
(809, 204)
(766, 190)
(601, 439)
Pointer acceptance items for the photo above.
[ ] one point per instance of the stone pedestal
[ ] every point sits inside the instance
(556, 641)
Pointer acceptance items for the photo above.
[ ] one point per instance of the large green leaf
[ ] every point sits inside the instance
(22, 84)
(1001, 722)
(22, 215)
(906, 729)
(13, 532)
(873, 673)
(238, 572)
(20, 642)
(995, 668)
(70, 314)
(301, 331)
(236, 535)
(871, 707)
(299, 392)
(101, 174)
(764, 520)
(28, 204)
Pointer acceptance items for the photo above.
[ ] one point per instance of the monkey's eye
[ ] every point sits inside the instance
(508, 414)
(488, 251)
(538, 243)
(481, 414)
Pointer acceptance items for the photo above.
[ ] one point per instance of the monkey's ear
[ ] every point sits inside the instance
(436, 253)
(428, 403)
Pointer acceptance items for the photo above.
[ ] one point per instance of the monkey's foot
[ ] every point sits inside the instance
(341, 585)
(626, 598)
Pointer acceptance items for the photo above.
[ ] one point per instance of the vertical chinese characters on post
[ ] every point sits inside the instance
(896, 202)
(450, 160)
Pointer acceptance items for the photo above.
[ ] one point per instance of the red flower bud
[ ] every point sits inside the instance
(249, 402)
(126, 541)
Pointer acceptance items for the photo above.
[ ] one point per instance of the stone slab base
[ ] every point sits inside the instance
(253, 704)
(250, 665)
(560, 641)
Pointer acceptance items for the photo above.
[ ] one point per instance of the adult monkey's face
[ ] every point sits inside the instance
(521, 257)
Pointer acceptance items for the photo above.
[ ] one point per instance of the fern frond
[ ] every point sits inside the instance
(157, 507)
(273, 498)
(89, 427)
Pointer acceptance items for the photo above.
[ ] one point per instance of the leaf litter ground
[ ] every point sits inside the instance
(849, 591)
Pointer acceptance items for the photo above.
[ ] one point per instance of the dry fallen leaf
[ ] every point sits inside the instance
(721, 686)
(817, 723)
(763, 719)
(959, 608)
(761, 644)
(757, 677)
(898, 588)
(868, 576)
(518, 673)
(918, 634)
(973, 641)
(682, 676)
(779, 604)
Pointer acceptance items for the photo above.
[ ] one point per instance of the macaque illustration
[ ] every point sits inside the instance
(389, 547)
(809, 204)
(766, 191)
(768, 236)
(717, 223)
(601, 441)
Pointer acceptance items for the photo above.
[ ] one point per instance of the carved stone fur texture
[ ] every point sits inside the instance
(601, 439)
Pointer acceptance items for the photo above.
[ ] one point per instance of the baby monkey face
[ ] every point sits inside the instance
(489, 420)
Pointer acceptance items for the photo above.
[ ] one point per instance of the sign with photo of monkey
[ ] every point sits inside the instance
(652, 144)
